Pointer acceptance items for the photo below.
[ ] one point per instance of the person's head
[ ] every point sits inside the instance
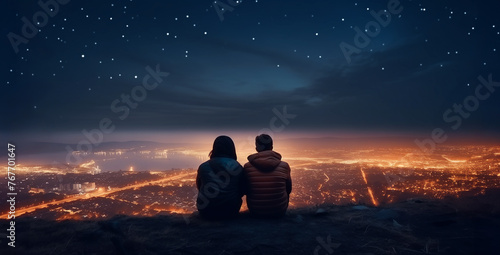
(263, 142)
(223, 147)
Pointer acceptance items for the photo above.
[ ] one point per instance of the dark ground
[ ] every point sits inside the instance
(466, 226)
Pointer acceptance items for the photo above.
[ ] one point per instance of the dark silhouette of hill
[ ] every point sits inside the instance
(450, 226)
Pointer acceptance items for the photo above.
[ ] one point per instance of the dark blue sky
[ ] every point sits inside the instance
(232, 73)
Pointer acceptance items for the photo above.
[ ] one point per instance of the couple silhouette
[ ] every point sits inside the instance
(222, 181)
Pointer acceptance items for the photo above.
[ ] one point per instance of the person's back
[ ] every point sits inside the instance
(268, 181)
(219, 181)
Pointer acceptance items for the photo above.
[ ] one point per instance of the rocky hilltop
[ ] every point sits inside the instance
(453, 226)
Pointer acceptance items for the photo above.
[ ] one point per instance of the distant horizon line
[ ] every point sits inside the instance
(195, 136)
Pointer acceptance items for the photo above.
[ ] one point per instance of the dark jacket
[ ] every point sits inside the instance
(219, 182)
(268, 184)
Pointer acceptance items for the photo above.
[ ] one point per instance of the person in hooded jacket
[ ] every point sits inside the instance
(268, 181)
(220, 182)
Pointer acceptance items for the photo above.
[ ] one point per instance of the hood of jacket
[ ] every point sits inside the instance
(265, 161)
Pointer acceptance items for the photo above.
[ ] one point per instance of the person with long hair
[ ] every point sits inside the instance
(220, 182)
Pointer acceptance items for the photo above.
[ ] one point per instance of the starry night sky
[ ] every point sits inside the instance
(232, 73)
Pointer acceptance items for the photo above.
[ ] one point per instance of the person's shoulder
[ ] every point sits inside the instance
(249, 159)
(232, 163)
(204, 165)
(284, 165)
(247, 165)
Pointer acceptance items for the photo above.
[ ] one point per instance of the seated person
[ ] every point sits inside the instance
(268, 181)
(219, 182)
